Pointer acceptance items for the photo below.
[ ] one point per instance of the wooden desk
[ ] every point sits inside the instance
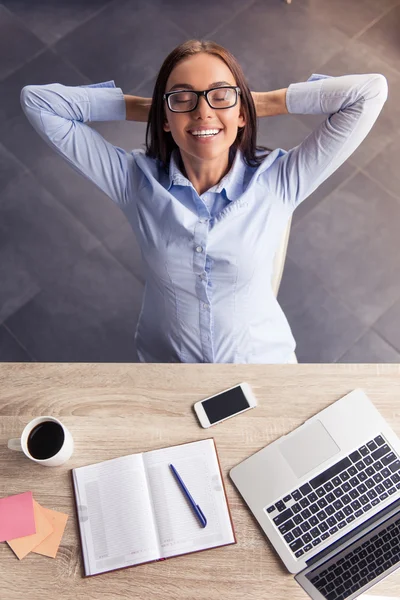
(113, 410)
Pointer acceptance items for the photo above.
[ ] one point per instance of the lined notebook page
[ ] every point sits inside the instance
(178, 528)
(114, 510)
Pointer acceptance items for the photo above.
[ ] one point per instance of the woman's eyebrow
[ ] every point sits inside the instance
(190, 87)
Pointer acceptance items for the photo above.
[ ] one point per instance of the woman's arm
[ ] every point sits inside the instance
(353, 103)
(137, 108)
(59, 114)
(270, 104)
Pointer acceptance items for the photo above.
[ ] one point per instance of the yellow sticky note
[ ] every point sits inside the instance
(23, 545)
(50, 545)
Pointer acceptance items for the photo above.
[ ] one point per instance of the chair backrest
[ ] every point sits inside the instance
(279, 260)
(279, 263)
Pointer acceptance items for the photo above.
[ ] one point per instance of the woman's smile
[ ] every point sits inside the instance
(204, 135)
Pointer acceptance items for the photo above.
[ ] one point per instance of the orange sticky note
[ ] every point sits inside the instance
(50, 545)
(23, 545)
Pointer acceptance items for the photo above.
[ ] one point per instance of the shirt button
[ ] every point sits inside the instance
(205, 305)
(199, 248)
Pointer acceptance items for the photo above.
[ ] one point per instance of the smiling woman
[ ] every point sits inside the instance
(225, 105)
(207, 206)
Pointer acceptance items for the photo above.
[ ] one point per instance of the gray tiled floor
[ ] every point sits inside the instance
(70, 271)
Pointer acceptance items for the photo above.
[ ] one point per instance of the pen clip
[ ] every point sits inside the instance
(203, 518)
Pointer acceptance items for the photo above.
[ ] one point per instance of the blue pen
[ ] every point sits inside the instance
(196, 508)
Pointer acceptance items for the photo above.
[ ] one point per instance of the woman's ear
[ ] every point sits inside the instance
(241, 120)
(166, 126)
(241, 117)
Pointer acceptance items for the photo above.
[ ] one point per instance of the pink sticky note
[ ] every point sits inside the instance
(16, 516)
(23, 545)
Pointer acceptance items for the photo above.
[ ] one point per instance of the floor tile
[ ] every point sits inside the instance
(349, 17)
(296, 291)
(281, 131)
(16, 133)
(325, 330)
(46, 237)
(383, 37)
(18, 285)
(353, 213)
(145, 88)
(357, 57)
(388, 326)
(88, 316)
(322, 326)
(371, 348)
(369, 282)
(350, 241)
(201, 19)
(316, 241)
(48, 67)
(10, 349)
(19, 137)
(124, 247)
(17, 44)
(86, 202)
(269, 59)
(10, 167)
(50, 20)
(384, 168)
(332, 184)
(134, 57)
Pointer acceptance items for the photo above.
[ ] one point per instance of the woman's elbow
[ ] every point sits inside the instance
(26, 96)
(381, 86)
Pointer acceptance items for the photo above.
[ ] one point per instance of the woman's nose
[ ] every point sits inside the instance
(203, 109)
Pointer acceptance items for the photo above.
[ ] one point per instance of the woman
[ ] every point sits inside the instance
(208, 207)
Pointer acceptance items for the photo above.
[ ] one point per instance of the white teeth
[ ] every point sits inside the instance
(205, 132)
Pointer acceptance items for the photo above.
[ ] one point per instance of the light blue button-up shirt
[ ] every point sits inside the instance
(208, 259)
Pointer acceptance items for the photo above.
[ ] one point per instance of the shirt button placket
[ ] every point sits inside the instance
(205, 311)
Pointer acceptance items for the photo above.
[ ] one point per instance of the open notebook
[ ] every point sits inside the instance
(131, 509)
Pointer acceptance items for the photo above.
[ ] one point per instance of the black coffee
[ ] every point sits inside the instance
(45, 440)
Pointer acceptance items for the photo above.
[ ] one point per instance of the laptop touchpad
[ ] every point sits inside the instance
(308, 448)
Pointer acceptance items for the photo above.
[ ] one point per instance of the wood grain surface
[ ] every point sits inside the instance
(118, 409)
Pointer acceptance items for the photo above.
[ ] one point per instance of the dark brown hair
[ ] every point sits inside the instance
(160, 143)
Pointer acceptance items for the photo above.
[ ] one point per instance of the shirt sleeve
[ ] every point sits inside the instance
(59, 114)
(353, 103)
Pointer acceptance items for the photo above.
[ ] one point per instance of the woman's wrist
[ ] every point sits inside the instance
(137, 108)
(270, 104)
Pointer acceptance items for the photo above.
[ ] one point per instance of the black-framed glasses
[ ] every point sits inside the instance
(187, 100)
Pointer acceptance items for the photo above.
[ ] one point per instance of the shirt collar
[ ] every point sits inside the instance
(231, 183)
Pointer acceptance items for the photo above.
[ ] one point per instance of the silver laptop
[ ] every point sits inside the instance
(327, 495)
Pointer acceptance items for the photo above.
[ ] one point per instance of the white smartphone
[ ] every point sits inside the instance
(224, 405)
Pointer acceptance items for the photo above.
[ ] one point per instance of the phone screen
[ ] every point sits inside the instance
(225, 404)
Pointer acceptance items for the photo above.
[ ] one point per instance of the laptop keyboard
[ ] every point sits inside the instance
(365, 562)
(338, 497)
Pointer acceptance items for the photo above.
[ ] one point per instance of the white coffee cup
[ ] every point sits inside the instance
(63, 454)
